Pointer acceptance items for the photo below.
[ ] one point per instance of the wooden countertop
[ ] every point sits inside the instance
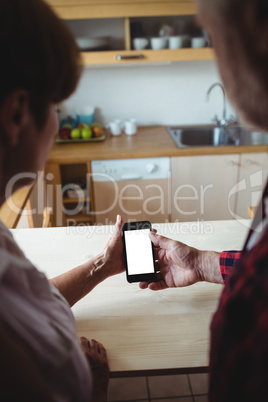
(144, 332)
(150, 141)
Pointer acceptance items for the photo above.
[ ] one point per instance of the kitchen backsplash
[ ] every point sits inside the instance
(171, 93)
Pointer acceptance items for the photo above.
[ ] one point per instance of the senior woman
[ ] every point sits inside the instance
(239, 329)
(41, 358)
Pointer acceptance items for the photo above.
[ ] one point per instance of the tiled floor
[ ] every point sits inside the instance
(171, 388)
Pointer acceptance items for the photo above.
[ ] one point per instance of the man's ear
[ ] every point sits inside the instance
(14, 115)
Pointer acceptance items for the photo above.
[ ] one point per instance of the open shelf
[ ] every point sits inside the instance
(74, 200)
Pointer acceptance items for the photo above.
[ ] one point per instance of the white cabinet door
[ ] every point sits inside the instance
(252, 179)
(202, 187)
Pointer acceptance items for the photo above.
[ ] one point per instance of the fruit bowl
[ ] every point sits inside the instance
(77, 140)
(80, 133)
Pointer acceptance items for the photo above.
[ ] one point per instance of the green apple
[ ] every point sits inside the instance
(75, 133)
(86, 133)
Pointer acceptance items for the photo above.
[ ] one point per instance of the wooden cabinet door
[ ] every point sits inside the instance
(133, 200)
(201, 187)
(72, 9)
(146, 56)
(252, 179)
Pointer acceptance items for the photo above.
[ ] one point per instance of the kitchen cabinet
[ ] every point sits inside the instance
(201, 185)
(85, 11)
(72, 9)
(137, 189)
(216, 187)
(137, 200)
(251, 181)
(69, 192)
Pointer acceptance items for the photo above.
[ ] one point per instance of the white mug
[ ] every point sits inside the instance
(175, 42)
(140, 43)
(158, 43)
(115, 127)
(130, 127)
(198, 42)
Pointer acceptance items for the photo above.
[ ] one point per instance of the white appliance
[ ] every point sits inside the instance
(137, 189)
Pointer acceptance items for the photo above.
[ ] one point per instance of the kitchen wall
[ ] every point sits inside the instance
(171, 93)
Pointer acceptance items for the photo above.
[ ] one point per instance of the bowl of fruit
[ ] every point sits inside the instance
(72, 131)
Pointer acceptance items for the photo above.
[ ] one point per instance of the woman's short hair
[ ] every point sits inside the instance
(38, 54)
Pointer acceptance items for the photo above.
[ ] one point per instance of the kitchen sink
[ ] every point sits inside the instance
(206, 136)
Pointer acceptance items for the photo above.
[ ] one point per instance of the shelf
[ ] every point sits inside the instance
(75, 200)
(150, 56)
(81, 218)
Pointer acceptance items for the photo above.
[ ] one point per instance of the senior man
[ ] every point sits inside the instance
(239, 329)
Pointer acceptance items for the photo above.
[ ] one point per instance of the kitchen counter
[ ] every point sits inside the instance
(150, 141)
(144, 332)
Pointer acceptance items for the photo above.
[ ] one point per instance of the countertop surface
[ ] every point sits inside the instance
(143, 331)
(150, 141)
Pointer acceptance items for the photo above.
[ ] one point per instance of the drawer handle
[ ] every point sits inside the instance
(130, 177)
(249, 162)
(129, 57)
(231, 163)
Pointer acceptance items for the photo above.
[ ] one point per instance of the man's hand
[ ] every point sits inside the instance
(98, 362)
(180, 265)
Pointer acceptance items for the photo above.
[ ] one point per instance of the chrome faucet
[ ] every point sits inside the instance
(222, 122)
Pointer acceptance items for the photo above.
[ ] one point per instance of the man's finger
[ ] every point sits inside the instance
(160, 241)
(143, 285)
(158, 285)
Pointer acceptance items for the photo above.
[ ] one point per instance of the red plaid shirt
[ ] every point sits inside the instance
(239, 329)
(228, 259)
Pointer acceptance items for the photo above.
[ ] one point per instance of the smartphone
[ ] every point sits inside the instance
(139, 252)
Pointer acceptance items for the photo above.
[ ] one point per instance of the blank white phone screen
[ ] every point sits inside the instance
(139, 252)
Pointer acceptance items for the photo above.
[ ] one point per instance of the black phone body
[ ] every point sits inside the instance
(139, 252)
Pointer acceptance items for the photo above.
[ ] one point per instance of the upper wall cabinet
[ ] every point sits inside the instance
(73, 9)
(111, 27)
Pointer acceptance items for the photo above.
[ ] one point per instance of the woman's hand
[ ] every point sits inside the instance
(110, 261)
(98, 362)
(181, 265)
(79, 281)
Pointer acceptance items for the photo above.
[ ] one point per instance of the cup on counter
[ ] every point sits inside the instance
(198, 42)
(175, 42)
(140, 43)
(115, 127)
(131, 127)
(85, 115)
(159, 43)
